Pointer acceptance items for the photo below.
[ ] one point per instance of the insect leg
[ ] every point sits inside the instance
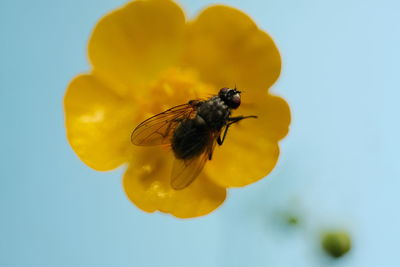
(231, 120)
(210, 155)
(239, 118)
(220, 140)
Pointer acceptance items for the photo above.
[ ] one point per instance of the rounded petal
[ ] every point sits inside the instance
(131, 45)
(147, 184)
(227, 48)
(251, 150)
(98, 122)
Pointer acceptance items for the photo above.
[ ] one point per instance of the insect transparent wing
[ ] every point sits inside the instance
(158, 130)
(184, 172)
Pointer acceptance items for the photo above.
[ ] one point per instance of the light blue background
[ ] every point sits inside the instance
(339, 166)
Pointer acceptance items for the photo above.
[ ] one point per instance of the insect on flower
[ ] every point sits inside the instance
(192, 130)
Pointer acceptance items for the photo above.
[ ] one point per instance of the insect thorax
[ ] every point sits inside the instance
(214, 112)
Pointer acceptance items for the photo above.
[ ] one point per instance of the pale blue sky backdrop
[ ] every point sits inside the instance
(339, 165)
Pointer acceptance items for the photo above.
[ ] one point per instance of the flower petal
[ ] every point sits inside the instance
(99, 123)
(227, 48)
(251, 150)
(147, 184)
(131, 45)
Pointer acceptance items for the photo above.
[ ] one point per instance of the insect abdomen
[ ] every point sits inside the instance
(190, 138)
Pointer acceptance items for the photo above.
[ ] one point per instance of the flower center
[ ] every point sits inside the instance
(173, 87)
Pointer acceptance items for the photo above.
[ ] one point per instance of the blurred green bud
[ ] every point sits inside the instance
(292, 220)
(336, 243)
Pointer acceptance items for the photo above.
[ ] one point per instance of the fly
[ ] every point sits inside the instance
(192, 130)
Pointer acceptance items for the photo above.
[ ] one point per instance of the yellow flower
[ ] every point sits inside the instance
(146, 58)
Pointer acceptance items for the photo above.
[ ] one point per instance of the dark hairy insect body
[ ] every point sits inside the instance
(192, 136)
(192, 130)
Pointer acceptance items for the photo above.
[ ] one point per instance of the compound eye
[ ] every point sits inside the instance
(236, 100)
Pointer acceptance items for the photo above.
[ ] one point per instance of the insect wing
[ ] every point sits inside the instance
(158, 130)
(184, 172)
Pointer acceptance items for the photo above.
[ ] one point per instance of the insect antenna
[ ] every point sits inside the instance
(237, 89)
